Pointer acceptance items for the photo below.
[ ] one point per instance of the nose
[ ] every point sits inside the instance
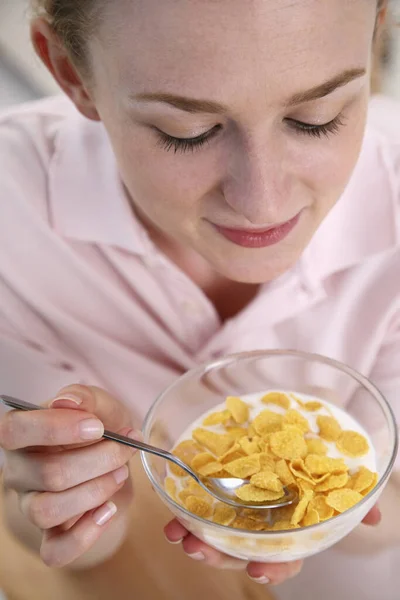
(257, 184)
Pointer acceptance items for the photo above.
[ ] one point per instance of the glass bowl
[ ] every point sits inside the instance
(202, 388)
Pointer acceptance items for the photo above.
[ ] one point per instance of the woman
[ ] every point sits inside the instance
(222, 186)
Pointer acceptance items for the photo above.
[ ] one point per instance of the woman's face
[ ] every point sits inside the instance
(231, 117)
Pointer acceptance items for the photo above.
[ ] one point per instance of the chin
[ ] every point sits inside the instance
(253, 273)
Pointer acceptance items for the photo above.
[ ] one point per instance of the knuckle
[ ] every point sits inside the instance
(116, 457)
(97, 491)
(42, 511)
(53, 475)
(8, 433)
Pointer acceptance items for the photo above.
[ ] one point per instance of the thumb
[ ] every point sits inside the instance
(112, 412)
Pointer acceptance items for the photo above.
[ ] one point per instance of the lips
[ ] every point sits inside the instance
(257, 238)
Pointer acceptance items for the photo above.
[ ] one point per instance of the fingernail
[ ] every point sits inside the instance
(91, 429)
(262, 580)
(197, 556)
(66, 401)
(174, 542)
(104, 513)
(121, 474)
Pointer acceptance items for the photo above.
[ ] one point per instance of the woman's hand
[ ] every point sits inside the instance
(263, 573)
(67, 481)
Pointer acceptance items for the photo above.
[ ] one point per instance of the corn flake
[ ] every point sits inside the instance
(288, 445)
(342, 500)
(300, 471)
(316, 446)
(251, 493)
(283, 472)
(362, 480)
(352, 444)
(238, 409)
(329, 428)
(267, 480)
(333, 482)
(267, 421)
(318, 503)
(236, 432)
(371, 487)
(293, 417)
(250, 446)
(320, 465)
(201, 459)
(277, 398)
(186, 451)
(267, 462)
(217, 418)
(199, 507)
(244, 467)
(217, 443)
(211, 469)
(224, 514)
(312, 406)
(300, 510)
(311, 517)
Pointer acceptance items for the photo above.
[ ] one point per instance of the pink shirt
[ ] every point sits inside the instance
(86, 296)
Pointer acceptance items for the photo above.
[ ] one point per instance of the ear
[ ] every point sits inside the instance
(54, 55)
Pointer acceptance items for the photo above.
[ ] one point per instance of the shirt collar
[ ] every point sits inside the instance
(87, 198)
(88, 203)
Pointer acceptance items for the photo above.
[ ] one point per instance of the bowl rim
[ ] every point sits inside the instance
(230, 358)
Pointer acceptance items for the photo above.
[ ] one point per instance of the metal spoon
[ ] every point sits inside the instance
(221, 488)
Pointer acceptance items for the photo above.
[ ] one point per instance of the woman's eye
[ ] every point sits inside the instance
(168, 142)
(318, 131)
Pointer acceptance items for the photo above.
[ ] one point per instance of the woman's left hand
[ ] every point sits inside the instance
(264, 573)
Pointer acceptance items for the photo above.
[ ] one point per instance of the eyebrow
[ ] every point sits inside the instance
(192, 105)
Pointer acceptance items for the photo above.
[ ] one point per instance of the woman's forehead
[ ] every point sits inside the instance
(197, 44)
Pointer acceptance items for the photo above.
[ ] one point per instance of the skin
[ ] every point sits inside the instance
(251, 57)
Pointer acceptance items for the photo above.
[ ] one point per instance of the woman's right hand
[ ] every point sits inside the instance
(68, 481)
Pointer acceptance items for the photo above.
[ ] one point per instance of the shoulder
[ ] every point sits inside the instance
(383, 138)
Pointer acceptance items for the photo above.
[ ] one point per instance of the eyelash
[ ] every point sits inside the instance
(184, 145)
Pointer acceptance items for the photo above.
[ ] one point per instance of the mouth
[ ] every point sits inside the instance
(256, 238)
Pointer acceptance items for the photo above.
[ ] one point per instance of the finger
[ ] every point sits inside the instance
(51, 510)
(374, 517)
(273, 574)
(61, 548)
(60, 471)
(198, 550)
(52, 428)
(175, 532)
(113, 413)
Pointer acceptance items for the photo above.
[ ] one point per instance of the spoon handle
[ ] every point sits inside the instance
(109, 435)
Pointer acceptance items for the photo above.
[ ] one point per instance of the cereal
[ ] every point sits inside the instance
(290, 445)
(362, 480)
(342, 500)
(251, 493)
(293, 417)
(224, 514)
(318, 503)
(186, 451)
(352, 444)
(238, 409)
(333, 482)
(312, 406)
(267, 422)
(319, 465)
(311, 517)
(287, 445)
(316, 446)
(199, 507)
(277, 398)
(244, 467)
(211, 469)
(283, 472)
(301, 508)
(329, 428)
(267, 480)
(217, 443)
(217, 418)
(250, 446)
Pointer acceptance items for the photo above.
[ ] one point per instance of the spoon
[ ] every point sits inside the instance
(222, 488)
